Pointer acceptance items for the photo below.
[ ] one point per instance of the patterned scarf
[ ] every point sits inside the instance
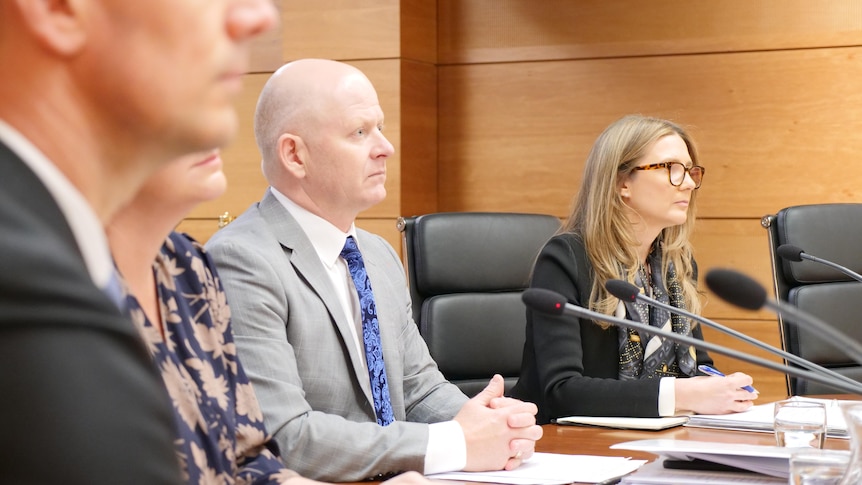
(647, 357)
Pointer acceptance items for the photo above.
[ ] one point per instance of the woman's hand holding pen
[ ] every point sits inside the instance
(714, 372)
(714, 394)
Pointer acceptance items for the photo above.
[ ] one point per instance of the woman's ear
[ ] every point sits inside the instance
(624, 188)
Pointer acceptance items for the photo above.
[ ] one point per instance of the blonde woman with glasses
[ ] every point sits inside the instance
(631, 220)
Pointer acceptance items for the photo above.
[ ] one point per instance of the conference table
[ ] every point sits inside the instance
(590, 440)
(593, 440)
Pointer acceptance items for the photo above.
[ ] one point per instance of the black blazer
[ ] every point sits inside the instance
(81, 400)
(570, 366)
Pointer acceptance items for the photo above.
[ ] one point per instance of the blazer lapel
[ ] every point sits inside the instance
(305, 261)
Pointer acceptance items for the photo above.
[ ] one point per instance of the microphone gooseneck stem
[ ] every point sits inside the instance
(851, 347)
(854, 388)
(756, 343)
(741, 290)
(843, 269)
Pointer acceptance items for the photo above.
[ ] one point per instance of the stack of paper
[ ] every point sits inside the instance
(653, 424)
(553, 469)
(768, 460)
(655, 474)
(760, 418)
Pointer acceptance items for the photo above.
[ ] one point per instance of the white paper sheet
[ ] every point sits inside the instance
(553, 469)
(760, 418)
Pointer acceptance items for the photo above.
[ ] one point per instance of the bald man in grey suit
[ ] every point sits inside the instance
(295, 311)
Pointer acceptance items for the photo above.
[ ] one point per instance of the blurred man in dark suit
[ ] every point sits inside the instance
(94, 96)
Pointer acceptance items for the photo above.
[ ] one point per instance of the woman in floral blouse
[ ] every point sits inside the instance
(179, 307)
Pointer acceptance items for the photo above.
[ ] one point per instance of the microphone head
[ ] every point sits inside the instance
(545, 301)
(736, 288)
(623, 290)
(790, 252)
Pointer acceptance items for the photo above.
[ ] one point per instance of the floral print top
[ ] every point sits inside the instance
(220, 433)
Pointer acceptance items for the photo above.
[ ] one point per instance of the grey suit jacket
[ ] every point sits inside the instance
(297, 349)
(82, 402)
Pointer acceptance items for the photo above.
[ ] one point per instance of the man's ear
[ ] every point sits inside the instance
(57, 25)
(293, 153)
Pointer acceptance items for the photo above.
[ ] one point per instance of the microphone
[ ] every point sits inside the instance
(794, 253)
(628, 292)
(742, 291)
(553, 303)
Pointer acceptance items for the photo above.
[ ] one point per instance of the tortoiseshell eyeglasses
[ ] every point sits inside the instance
(676, 172)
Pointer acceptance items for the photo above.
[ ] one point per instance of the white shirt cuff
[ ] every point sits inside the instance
(667, 396)
(447, 448)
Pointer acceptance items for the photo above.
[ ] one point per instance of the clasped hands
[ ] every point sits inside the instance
(500, 432)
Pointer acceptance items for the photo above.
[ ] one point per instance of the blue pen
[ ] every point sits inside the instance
(715, 372)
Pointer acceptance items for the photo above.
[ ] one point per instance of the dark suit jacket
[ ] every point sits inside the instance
(571, 366)
(81, 401)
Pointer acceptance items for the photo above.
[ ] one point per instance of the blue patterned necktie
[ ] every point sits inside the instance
(370, 332)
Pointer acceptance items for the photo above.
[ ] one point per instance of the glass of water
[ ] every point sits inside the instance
(800, 424)
(818, 467)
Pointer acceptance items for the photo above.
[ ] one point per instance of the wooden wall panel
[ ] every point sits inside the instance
(419, 30)
(418, 138)
(265, 50)
(773, 128)
(482, 31)
(335, 29)
(385, 228)
(738, 244)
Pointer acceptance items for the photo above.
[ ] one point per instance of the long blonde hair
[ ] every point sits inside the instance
(599, 214)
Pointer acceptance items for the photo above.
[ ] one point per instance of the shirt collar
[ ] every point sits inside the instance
(328, 240)
(86, 227)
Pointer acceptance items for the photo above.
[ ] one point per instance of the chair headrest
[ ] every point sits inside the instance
(828, 231)
(477, 251)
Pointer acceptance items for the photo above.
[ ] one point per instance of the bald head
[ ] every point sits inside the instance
(298, 97)
(319, 126)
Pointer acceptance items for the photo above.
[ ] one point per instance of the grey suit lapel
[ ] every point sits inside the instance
(306, 262)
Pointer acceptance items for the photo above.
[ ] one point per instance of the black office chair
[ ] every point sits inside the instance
(832, 232)
(466, 272)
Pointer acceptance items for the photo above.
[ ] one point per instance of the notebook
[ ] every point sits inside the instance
(652, 424)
